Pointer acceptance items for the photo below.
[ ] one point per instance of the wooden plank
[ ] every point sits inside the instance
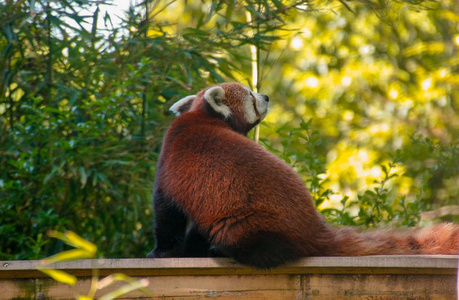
(371, 277)
(380, 264)
(167, 287)
(381, 287)
(322, 286)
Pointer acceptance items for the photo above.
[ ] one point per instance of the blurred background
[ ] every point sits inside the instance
(364, 105)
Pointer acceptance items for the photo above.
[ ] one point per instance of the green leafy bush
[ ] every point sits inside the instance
(82, 116)
(433, 166)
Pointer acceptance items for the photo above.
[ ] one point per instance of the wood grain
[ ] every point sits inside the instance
(372, 277)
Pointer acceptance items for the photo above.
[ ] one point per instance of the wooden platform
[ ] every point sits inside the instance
(370, 277)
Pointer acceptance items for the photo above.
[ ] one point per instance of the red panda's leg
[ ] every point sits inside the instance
(169, 225)
(263, 250)
(196, 243)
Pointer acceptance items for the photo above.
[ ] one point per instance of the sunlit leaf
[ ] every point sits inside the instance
(109, 280)
(68, 255)
(60, 276)
(84, 176)
(131, 286)
(74, 240)
(450, 15)
(429, 48)
(137, 285)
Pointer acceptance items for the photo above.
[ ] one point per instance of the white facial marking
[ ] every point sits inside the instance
(262, 104)
(215, 96)
(255, 106)
(249, 110)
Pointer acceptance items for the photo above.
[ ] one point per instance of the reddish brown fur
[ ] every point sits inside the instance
(235, 192)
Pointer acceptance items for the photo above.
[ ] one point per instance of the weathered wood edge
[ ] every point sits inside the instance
(392, 264)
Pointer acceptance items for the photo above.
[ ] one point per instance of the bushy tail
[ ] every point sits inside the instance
(437, 239)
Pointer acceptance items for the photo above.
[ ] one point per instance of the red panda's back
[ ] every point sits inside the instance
(231, 187)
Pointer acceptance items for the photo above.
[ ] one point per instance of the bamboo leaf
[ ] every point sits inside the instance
(94, 22)
(81, 243)
(68, 255)
(428, 48)
(83, 177)
(132, 286)
(74, 240)
(60, 276)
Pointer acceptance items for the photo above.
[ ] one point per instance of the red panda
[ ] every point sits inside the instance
(247, 202)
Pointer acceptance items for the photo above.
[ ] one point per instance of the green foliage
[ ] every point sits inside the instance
(81, 117)
(302, 148)
(83, 110)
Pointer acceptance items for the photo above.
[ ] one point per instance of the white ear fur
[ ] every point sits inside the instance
(183, 105)
(215, 96)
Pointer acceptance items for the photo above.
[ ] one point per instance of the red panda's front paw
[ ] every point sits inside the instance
(151, 254)
(158, 253)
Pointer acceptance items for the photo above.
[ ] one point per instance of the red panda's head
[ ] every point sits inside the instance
(234, 103)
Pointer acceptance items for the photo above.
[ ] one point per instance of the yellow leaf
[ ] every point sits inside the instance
(84, 298)
(109, 280)
(67, 255)
(447, 14)
(136, 285)
(431, 48)
(131, 286)
(74, 240)
(60, 276)
(79, 242)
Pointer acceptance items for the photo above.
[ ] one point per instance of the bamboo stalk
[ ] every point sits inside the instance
(255, 53)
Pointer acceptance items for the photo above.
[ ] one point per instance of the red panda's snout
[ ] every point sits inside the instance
(260, 108)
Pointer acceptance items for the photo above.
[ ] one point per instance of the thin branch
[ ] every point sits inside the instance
(347, 6)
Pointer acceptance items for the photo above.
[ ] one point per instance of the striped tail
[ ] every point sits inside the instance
(438, 239)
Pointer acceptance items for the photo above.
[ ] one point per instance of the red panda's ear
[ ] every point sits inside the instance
(183, 105)
(215, 96)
